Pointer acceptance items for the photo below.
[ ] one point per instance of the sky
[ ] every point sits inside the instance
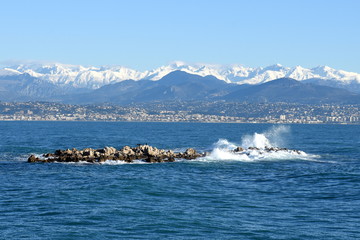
(144, 34)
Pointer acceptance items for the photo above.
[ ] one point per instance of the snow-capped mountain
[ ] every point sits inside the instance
(182, 86)
(76, 76)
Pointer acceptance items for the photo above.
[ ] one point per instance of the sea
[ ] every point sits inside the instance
(259, 195)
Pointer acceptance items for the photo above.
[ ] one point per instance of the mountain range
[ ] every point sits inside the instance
(177, 81)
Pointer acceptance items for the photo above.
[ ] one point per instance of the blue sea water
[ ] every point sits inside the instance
(223, 196)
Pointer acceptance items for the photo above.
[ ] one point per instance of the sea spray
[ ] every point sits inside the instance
(256, 140)
(259, 146)
(224, 144)
(277, 135)
(274, 137)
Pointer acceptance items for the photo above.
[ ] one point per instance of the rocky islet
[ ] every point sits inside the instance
(145, 153)
(128, 154)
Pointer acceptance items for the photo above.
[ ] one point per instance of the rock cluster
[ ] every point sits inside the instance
(266, 149)
(127, 154)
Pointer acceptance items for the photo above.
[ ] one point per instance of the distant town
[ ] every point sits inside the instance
(178, 111)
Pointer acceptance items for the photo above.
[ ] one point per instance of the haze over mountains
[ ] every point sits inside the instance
(78, 84)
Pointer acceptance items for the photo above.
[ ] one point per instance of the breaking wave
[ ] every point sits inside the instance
(274, 137)
(264, 146)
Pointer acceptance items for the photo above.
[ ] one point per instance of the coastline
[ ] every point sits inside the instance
(230, 122)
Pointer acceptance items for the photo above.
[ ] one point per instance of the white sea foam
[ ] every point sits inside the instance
(107, 162)
(224, 144)
(257, 147)
(118, 162)
(222, 154)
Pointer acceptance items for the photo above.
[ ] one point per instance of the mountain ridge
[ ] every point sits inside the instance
(77, 76)
(49, 83)
(291, 90)
(175, 85)
(183, 86)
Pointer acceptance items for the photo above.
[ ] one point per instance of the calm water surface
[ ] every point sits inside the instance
(281, 197)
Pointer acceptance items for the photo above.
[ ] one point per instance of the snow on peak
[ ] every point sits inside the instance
(275, 67)
(95, 77)
(300, 73)
(325, 72)
(9, 72)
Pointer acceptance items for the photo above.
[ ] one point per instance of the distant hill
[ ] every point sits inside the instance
(290, 90)
(24, 87)
(351, 85)
(176, 85)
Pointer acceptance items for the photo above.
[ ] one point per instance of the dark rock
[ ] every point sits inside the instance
(238, 149)
(58, 152)
(170, 159)
(103, 158)
(190, 153)
(49, 155)
(33, 159)
(88, 152)
(119, 156)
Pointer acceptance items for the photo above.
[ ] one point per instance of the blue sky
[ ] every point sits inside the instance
(144, 34)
